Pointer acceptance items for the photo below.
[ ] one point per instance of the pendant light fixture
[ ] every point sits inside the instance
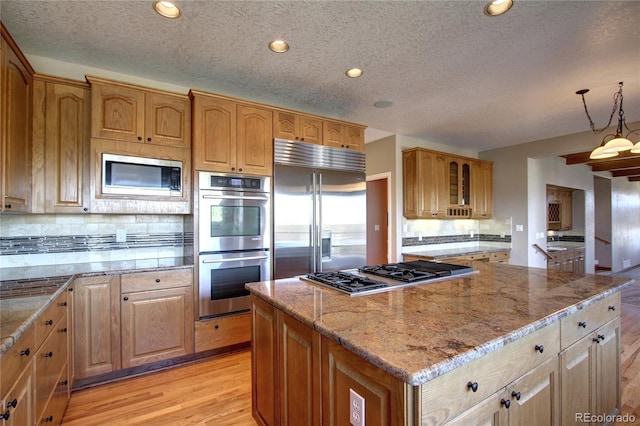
(612, 144)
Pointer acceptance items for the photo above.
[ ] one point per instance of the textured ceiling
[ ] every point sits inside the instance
(454, 75)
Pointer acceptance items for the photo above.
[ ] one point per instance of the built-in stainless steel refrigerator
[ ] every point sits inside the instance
(319, 209)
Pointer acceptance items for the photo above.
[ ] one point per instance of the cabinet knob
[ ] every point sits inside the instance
(516, 395)
(63, 304)
(157, 280)
(48, 322)
(26, 352)
(86, 209)
(600, 336)
(12, 404)
(64, 383)
(240, 169)
(506, 403)
(6, 415)
(216, 326)
(48, 419)
(48, 354)
(233, 169)
(539, 348)
(7, 206)
(582, 324)
(125, 298)
(612, 308)
(148, 139)
(473, 386)
(63, 330)
(139, 138)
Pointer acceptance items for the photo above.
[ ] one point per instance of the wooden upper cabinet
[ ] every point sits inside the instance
(66, 148)
(481, 190)
(214, 133)
(340, 135)
(297, 127)
(128, 113)
(254, 151)
(231, 137)
(16, 91)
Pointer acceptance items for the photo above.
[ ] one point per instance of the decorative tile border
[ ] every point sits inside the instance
(89, 243)
(447, 239)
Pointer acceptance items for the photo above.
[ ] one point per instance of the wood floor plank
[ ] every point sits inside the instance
(217, 391)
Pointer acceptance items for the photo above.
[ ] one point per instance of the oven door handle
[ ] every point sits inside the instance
(234, 197)
(236, 259)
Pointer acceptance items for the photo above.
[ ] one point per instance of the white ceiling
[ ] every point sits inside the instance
(454, 75)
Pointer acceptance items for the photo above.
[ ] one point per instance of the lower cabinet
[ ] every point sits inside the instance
(129, 320)
(569, 260)
(18, 405)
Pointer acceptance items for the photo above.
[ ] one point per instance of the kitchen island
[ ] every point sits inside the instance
(438, 352)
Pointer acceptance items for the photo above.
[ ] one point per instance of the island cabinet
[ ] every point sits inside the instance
(571, 260)
(61, 127)
(129, 320)
(231, 137)
(16, 92)
(590, 360)
(297, 127)
(35, 373)
(341, 135)
(135, 114)
(437, 185)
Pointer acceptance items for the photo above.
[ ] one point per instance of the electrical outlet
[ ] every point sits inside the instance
(356, 408)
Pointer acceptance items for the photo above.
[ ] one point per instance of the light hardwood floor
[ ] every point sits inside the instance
(218, 391)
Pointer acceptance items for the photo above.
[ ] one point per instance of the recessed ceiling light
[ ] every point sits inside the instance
(354, 72)
(497, 7)
(167, 9)
(383, 104)
(279, 46)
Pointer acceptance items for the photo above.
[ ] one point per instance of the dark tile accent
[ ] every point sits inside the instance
(446, 239)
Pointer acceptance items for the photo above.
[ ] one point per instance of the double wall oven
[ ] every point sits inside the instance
(234, 240)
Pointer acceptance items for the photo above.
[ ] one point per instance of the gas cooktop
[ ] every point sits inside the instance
(379, 278)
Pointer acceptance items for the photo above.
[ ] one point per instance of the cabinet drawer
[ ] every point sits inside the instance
(451, 394)
(16, 359)
(50, 317)
(224, 331)
(50, 360)
(56, 406)
(499, 256)
(477, 256)
(144, 281)
(584, 321)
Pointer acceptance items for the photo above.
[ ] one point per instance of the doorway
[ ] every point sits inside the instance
(603, 234)
(377, 221)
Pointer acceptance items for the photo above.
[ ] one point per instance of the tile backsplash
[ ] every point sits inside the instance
(429, 231)
(32, 240)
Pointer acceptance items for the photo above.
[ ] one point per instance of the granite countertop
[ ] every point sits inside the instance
(453, 252)
(418, 333)
(26, 292)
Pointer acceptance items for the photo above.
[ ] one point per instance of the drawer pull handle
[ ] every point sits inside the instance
(473, 386)
(26, 352)
(63, 330)
(157, 280)
(48, 354)
(612, 308)
(63, 304)
(600, 336)
(582, 324)
(6, 415)
(506, 403)
(48, 419)
(539, 348)
(12, 404)
(48, 322)
(516, 395)
(64, 383)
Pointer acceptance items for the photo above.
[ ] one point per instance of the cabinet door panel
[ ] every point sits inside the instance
(214, 134)
(97, 325)
(16, 132)
(535, 398)
(489, 412)
(118, 113)
(66, 149)
(254, 141)
(311, 130)
(299, 354)
(333, 134)
(264, 363)
(577, 367)
(167, 120)
(156, 325)
(285, 125)
(608, 368)
(22, 393)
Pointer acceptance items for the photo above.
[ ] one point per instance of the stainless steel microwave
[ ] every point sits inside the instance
(128, 175)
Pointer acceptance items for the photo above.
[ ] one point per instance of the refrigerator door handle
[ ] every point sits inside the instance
(314, 221)
(318, 241)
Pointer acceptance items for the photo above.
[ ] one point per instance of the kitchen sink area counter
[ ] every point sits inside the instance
(418, 334)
